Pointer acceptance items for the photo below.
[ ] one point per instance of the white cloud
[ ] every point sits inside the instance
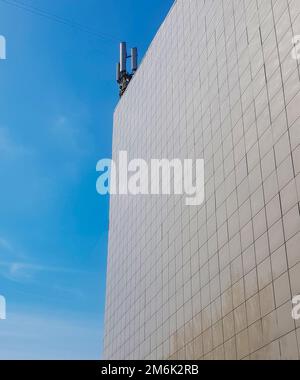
(8, 147)
(18, 267)
(69, 136)
(21, 271)
(5, 244)
(36, 335)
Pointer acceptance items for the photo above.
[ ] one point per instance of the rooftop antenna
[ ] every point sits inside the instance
(134, 60)
(123, 57)
(123, 77)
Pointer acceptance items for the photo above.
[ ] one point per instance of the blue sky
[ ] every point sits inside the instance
(57, 97)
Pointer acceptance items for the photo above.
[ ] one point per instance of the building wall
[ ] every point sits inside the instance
(214, 281)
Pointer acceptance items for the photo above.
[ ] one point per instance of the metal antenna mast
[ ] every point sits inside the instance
(124, 77)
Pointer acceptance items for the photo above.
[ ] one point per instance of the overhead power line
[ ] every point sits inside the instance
(58, 19)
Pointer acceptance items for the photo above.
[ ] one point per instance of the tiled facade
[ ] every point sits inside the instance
(214, 281)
